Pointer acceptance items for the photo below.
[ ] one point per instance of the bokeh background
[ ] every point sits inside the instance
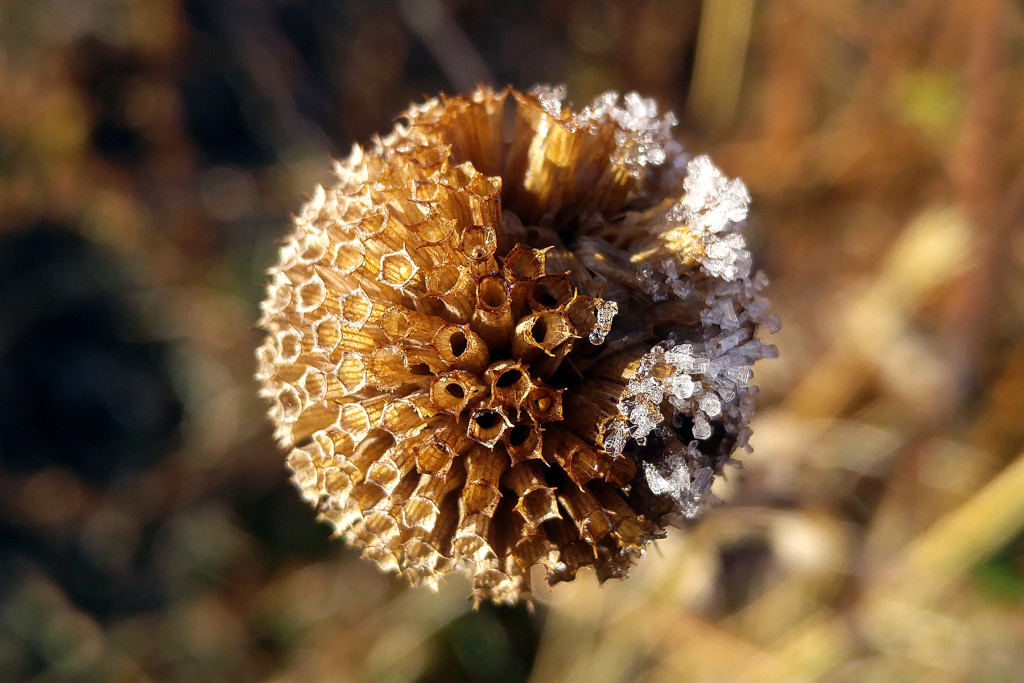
(151, 154)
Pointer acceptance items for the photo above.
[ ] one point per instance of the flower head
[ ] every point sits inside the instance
(514, 335)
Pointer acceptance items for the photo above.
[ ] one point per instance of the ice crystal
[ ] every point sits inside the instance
(551, 98)
(616, 439)
(681, 478)
(643, 136)
(677, 480)
(606, 311)
(711, 208)
(711, 405)
(701, 427)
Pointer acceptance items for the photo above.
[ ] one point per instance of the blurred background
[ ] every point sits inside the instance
(151, 154)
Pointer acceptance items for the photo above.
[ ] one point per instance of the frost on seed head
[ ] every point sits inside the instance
(699, 391)
(713, 206)
(643, 136)
(710, 212)
(426, 357)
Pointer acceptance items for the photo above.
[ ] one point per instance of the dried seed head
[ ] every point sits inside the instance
(514, 335)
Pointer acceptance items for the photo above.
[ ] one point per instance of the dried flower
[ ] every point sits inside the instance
(514, 335)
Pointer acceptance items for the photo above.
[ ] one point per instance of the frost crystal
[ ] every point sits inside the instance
(711, 405)
(643, 136)
(701, 428)
(712, 198)
(606, 311)
(551, 98)
(712, 206)
(679, 388)
(615, 439)
(644, 419)
(679, 479)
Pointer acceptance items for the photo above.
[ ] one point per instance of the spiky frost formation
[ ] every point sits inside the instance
(514, 335)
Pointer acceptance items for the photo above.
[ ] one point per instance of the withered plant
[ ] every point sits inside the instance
(511, 335)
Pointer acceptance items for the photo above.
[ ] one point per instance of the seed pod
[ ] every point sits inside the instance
(496, 346)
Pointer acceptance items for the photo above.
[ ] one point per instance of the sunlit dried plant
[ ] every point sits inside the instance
(514, 335)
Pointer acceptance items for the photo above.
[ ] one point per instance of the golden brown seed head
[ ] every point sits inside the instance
(513, 335)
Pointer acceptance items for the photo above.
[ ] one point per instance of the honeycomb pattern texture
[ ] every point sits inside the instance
(513, 335)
